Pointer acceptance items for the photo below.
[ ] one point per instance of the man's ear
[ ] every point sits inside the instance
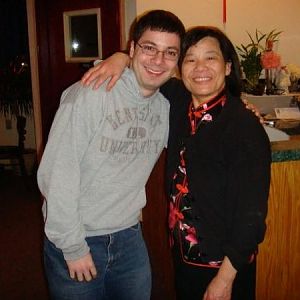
(131, 51)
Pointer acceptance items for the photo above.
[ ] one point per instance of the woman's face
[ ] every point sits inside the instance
(204, 70)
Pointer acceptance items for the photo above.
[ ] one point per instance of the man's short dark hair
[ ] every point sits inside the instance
(157, 20)
(195, 34)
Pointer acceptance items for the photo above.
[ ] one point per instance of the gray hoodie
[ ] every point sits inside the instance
(101, 149)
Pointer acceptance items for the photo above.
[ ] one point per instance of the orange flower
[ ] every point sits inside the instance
(270, 59)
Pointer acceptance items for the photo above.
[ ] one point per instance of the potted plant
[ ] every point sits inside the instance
(251, 59)
(16, 95)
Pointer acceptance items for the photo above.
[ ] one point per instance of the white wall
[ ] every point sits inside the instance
(130, 14)
(242, 16)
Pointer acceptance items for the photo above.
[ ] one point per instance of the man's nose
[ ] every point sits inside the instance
(158, 57)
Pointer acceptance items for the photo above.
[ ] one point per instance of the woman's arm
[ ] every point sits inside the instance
(112, 68)
(220, 287)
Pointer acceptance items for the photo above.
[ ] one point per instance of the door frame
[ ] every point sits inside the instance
(35, 86)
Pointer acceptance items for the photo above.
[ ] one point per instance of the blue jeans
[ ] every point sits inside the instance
(122, 264)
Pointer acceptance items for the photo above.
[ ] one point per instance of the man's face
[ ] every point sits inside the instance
(153, 71)
(204, 70)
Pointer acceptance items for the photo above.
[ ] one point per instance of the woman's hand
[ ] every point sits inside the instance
(111, 68)
(220, 287)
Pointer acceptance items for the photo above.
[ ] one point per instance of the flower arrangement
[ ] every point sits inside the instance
(271, 62)
(294, 70)
(254, 56)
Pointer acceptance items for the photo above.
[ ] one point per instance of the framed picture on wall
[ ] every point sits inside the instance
(82, 35)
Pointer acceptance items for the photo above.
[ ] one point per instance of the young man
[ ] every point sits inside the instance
(101, 149)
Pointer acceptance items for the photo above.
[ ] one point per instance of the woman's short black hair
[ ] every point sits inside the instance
(233, 82)
(157, 20)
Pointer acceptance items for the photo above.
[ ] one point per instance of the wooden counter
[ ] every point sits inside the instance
(278, 262)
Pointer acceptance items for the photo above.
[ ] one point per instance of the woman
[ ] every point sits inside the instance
(218, 173)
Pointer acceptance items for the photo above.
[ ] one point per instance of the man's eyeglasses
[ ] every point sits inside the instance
(150, 50)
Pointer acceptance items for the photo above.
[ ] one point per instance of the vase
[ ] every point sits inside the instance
(269, 81)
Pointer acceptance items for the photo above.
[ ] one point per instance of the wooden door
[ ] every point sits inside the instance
(55, 73)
